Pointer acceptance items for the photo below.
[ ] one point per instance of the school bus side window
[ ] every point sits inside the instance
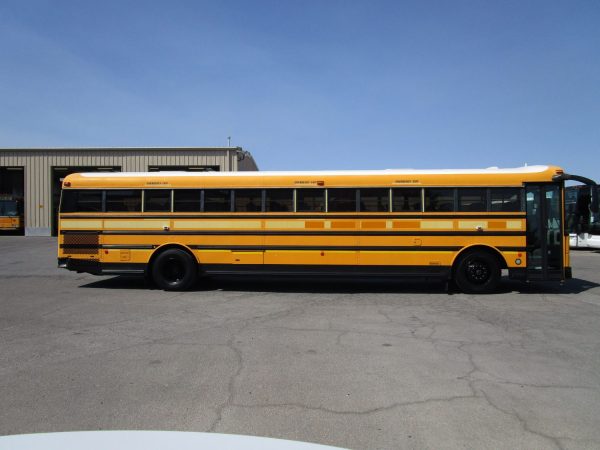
(279, 200)
(439, 200)
(505, 199)
(375, 199)
(341, 200)
(247, 200)
(124, 200)
(406, 199)
(217, 200)
(472, 200)
(81, 201)
(187, 200)
(157, 200)
(310, 200)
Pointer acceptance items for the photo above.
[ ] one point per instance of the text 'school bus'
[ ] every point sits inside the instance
(583, 224)
(11, 213)
(460, 225)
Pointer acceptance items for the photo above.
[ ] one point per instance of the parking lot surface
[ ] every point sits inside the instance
(363, 365)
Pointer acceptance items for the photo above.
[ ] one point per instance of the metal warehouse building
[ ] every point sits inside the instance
(36, 173)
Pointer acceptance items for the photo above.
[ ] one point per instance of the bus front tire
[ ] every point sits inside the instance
(477, 272)
(174, 270)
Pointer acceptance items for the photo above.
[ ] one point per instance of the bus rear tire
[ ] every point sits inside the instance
(477, 272)
(174, 270)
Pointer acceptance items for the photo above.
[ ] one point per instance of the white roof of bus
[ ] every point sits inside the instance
(489, 170)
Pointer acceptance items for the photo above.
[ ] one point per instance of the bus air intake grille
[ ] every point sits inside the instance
(79, 244)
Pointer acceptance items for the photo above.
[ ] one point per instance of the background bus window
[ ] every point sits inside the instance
(247, 200)
(406, 199)
(279, 200)
(505, 199)
(186, 200)
(439, 199)
(375, 200)
(310, 200)
(580, 210)
(217, 200)
(9, 208)
(126, 200)
(472, 200)
(81, 201)
(341, 200)
(157, 200)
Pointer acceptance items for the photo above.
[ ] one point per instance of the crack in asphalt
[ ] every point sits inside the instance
(239, 357)
(522, 422)
(378, 409)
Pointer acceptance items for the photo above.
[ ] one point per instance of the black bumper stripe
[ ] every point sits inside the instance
(380, 248)
(321, 232)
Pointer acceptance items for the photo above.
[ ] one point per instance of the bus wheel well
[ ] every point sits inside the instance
(161, 249)
(477, 270)
(480, 248)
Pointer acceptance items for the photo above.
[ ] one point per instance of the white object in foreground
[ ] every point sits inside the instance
(149, 440)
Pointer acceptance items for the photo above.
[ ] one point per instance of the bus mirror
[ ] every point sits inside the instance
(587, 181)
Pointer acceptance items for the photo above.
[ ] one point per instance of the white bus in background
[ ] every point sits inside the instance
(583, 223)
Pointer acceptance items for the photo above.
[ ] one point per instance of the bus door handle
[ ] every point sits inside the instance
(417, 241)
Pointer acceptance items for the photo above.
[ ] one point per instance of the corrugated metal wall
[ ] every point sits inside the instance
(38, 164)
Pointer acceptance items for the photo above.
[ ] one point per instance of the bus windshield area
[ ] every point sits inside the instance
(9, 208)
(580, 218)
(582, 221)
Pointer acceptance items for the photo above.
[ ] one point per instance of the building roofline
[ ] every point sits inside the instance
(116, 148)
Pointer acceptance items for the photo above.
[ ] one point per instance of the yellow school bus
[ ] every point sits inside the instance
(11, 213)
(459, 225)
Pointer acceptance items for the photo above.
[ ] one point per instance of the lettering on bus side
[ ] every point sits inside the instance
(406, 181)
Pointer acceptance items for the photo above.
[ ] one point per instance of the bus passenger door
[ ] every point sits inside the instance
(544, 232)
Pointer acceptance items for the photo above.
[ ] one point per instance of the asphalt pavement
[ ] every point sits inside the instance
(349, 363)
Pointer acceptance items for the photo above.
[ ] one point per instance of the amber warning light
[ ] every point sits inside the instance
(66, 183)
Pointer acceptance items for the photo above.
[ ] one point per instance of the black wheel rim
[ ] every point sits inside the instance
(173, 270)
(477, 271)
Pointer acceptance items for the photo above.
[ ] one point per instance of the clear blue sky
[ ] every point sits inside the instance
(310, 84)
